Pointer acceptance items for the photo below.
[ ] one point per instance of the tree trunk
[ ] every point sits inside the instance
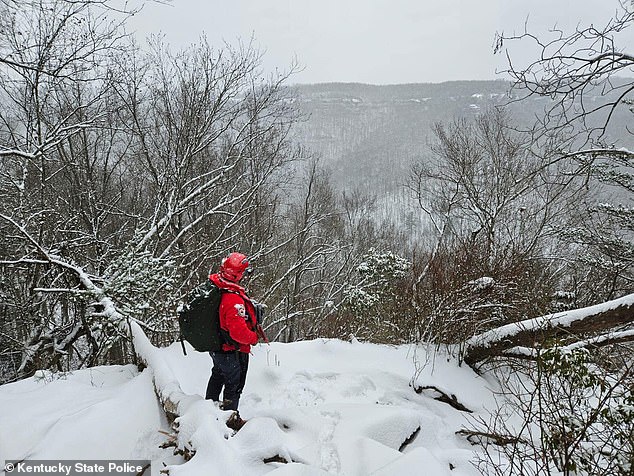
(532, 333)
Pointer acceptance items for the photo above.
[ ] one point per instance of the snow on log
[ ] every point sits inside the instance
(532, 332)
(603, 340)
(614, 337)
(172, 398)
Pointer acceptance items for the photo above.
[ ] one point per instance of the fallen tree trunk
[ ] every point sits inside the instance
(611, 338)
(531, 333)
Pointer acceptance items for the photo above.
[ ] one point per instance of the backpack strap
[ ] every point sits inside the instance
(223, 332)
(180, 337)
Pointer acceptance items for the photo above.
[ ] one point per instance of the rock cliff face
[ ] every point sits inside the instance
(369, 135)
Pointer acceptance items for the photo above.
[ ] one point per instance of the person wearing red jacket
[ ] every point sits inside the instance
(239, 328)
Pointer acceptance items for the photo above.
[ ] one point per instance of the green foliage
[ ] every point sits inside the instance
(572, 366)
(380, 275)
(376, 307)
(571, 413)
(383, 267)
(142, 284)
(586, 414)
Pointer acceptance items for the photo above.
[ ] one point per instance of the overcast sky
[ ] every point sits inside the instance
(370, 41)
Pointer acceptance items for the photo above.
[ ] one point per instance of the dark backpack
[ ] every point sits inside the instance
(199, 319)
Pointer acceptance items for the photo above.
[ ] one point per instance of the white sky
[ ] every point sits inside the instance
(370, 41)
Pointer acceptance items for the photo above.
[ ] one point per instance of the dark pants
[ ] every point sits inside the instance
(230, 371)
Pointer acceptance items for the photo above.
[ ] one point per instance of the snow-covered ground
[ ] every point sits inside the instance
(330, 407)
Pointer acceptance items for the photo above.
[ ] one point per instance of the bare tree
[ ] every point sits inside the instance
(493, 206)
(579, 72)
(140, 171)
(56, 60)
(583, 74)
(209, 133)
(307, 268)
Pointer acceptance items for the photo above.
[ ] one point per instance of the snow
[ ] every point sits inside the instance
(325, 406)
(99, 413)
(482, 283)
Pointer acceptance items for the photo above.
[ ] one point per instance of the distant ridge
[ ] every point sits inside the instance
(369, 135)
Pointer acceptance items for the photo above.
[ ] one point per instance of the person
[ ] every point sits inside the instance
(238, 327)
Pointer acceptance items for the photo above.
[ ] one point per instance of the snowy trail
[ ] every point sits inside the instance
(329, 407)
(346, 408)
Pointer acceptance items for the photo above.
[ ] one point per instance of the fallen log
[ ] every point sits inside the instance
(531, 333)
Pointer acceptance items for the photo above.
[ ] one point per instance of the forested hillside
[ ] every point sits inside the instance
(370, 135)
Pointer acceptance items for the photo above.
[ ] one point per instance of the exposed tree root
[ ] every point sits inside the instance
(408, 441)
(172, 442)
(276, 459)
(441, 396)
(484, 438)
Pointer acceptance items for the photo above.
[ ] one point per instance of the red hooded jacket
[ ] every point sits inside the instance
(236, 315)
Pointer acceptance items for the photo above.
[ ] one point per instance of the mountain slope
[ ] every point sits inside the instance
(369, 135)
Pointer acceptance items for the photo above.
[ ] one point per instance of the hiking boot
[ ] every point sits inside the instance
(235, 422)
(225, 405)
